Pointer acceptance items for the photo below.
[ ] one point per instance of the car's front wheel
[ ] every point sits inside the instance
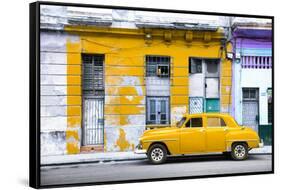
(157, 154)
(239, 151)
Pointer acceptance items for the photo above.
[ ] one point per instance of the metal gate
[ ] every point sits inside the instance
(196, 105)
(250, 113)
(93, 121)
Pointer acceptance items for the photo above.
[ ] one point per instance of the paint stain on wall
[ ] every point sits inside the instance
(121, 142)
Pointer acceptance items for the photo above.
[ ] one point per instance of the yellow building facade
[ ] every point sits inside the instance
(124, 93)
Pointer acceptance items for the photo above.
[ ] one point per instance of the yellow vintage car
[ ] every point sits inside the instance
(198, 134)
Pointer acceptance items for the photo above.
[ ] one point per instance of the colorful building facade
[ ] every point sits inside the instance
(102, 86)
(252, 81)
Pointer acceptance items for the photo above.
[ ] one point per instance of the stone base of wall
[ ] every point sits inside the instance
(92, 149)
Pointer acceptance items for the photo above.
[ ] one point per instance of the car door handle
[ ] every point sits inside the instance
(202, 130)
(225, 129)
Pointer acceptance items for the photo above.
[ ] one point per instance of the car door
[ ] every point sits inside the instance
(216, 130)
(192, 136)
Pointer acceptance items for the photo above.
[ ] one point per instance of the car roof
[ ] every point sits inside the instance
(208, 114)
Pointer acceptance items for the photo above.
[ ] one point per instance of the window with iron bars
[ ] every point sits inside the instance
(158, 66)
(93, 74)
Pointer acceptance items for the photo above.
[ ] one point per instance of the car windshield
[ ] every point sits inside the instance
(180, 123)
(232, 119)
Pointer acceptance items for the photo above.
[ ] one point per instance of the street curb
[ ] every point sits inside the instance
(115, 160)
(263, 153)
(91, 162)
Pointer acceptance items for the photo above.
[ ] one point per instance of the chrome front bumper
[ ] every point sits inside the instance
(139, 150)
(261, 144)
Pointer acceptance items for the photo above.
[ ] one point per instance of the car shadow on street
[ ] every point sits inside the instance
(192, 158)
(201, 158)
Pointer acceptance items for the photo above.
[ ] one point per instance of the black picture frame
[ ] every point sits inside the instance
(34, 92)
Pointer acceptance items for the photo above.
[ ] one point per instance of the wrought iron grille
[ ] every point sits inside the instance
(196, 105)
(93, 121)
(93, 74)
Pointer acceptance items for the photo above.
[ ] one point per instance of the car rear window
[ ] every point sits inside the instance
(215, 122)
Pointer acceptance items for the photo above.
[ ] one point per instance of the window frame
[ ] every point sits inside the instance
(247, 91)
(158, 101)
(190, 70)
(189, 119)
(154, 62)
(221, 120)
(97, 81)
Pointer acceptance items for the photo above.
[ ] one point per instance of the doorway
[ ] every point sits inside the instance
(250, 107)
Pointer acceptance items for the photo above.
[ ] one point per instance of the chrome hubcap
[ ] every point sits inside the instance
(157, 154)
(239, 151)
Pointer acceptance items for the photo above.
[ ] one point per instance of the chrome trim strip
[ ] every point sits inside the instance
(242, 140)
(161, 140)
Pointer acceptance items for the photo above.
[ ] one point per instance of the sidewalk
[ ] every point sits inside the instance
(264, 150)
(90, 158)
(111, 156)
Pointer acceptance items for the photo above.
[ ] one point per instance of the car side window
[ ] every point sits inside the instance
(215, 122)
(194, 122)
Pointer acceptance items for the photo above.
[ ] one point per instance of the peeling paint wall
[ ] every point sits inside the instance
(125, 84)
(59, 103)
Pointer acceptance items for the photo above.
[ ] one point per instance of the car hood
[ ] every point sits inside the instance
(159, 131)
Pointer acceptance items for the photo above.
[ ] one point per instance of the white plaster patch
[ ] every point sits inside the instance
(136, 120)
(112, 134)
(53, 58)
(53, 69)
(49, 111)
(53, 100)
(53, 80)
(130, 98)
(133, 134)
(52, 41)
(178, 113)
(132, 121)
(225, 109)
(112, 121)
(49, 124)
(73, 38)
(227, 88)
(111, 91)
(73, 139)
(53, 143)
(111, 100)
(53, 90)
(139, 90)
(130, 81)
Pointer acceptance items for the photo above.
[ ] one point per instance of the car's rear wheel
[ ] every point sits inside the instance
(239, 151)
(157, 154)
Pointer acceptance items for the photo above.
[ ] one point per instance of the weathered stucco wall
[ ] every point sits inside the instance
(125, 82)
(260, 46)
(55, 96)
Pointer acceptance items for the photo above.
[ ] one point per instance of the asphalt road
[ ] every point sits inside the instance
(141, 169)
